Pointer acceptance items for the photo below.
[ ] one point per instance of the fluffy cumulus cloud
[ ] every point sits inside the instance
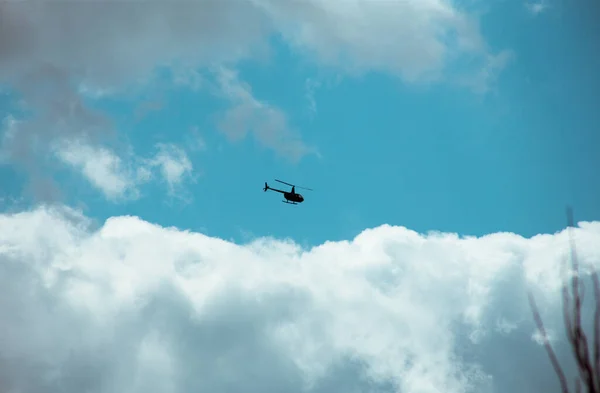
(130, 306)
(54, 54)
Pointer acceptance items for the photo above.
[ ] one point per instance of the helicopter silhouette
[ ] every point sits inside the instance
(292, 197)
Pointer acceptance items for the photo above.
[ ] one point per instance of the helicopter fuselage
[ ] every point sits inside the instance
(298, 198)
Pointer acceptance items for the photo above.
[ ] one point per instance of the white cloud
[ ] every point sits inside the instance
(195, 141)
(482, 81)
(132, 306)
(120, 179)
(310, 85)
(414, 39)
(102, 168)
(267, 123)
(536, 7)
(173, 163)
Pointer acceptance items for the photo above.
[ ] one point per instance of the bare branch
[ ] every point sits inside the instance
(596, 329)
(547, 346)
(589, 372)
(580, 342)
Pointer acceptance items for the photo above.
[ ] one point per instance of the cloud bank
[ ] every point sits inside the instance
(131, 306)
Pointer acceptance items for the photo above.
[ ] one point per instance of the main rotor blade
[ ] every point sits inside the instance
(293, 185)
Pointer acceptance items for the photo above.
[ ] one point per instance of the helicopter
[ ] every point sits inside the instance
(292, 197)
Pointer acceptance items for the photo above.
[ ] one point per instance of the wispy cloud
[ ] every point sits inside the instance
(537, 8)
(120, 179)
(267, 123)
(174, 166)
(310, 86)
(105, 170)
(483, 81)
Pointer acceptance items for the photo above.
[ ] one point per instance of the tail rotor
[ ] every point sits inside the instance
(266, 187)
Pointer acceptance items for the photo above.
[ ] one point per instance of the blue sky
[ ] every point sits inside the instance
(161, 121)
(439, 155)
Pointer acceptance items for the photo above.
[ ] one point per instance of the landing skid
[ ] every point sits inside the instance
(289, 203)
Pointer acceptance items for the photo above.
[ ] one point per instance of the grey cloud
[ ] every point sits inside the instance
(268, 124)
(50, 49)
(113, 43)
